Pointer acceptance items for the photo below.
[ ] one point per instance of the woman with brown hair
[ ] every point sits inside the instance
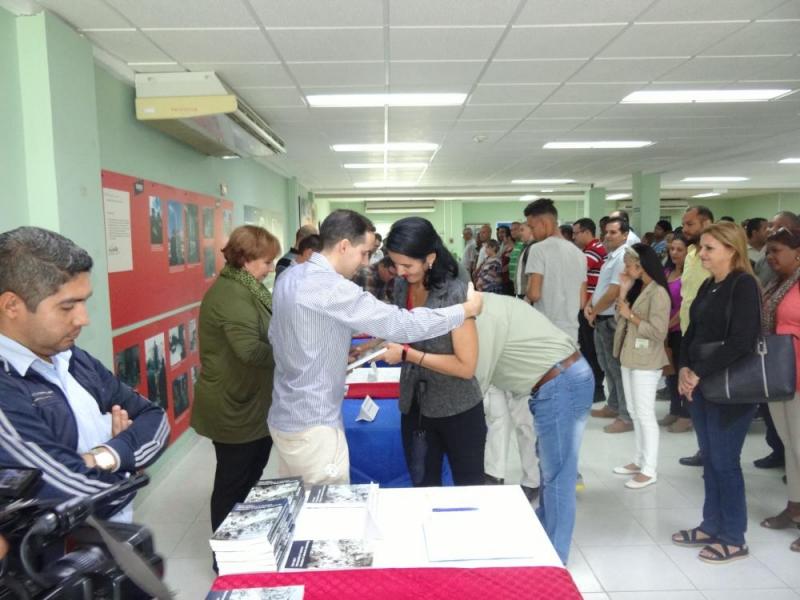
(724, 327)
(234, 389)
(781, 315)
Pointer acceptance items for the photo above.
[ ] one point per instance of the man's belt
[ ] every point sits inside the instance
(557, 369)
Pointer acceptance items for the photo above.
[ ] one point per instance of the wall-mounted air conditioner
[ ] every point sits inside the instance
(199, 110)
(377, 207)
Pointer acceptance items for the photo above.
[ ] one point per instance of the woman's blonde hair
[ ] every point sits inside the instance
(732, 236)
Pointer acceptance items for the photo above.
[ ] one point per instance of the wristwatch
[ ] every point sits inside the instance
(103, 458)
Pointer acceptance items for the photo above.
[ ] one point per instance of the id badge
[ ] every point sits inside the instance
(641, 344)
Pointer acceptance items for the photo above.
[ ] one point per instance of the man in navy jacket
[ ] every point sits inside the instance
(61, 410)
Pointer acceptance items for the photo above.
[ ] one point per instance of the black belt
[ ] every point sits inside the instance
(604, 317)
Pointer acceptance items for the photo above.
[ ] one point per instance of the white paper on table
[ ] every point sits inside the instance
(473, 535)
(363, 375)
(368, 410)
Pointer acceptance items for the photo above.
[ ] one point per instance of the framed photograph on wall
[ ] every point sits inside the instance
(308, 211)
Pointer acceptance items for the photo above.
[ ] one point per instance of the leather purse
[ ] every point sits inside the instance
(767, 374)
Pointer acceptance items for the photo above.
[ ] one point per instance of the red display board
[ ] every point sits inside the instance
(175, 238)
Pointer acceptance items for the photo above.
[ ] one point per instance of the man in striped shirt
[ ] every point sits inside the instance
(316, 311)
(584, 234)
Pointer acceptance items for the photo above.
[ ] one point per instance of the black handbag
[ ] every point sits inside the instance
(767, 374)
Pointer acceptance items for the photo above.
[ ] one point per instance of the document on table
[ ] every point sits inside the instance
(471, 533)
(368, 410)
(365, 375)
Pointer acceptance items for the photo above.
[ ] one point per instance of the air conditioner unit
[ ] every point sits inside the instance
(199, 110)
(399, 206)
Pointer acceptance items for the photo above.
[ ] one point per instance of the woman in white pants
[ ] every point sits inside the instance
(642, 323)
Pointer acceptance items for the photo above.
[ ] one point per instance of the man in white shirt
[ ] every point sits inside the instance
(470, 251)
(599, 311)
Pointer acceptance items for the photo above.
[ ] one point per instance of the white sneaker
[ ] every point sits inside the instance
(624, 470)
(637, 485)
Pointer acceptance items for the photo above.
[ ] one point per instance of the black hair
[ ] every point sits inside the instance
(652, 266)
(754, 225)
(669, 264)
(312, 241)
(665, 225)
(386, 262)
(624, 226)
(35, 263)
(728, 219)
(602, 224)
(566, 231)
(586, 224)
(702, 211)
(344, 224)
(542, 206)
(416, 237)
(505, 228)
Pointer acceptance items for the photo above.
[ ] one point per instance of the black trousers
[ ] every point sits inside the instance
(773, 439)
(678, 405)
(462, 438)
(239, 466)
(586, 344)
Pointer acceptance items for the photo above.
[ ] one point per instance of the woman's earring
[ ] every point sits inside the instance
(430, 265)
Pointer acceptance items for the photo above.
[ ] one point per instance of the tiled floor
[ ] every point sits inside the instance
(621, 548)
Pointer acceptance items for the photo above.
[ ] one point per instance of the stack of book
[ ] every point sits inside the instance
(255, 535)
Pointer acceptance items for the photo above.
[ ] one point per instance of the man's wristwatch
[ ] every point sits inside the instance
(103, 458)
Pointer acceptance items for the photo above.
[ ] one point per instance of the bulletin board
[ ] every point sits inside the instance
(164, 252)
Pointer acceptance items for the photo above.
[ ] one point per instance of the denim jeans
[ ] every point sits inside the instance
(560, 409)
(604, 330)
(721, 437)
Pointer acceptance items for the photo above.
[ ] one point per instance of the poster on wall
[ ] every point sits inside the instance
(308, 211)
(117, 214)
(156, 222)
(255, 216)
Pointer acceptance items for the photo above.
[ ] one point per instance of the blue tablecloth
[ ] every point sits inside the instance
(376, 447)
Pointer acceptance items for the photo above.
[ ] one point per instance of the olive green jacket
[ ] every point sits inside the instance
(234, 390)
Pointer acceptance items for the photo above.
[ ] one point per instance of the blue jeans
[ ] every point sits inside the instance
(724, 507)
(560, 409)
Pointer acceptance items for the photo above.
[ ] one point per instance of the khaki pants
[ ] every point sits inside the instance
(507, 414)
(319, 455)
(787, 421)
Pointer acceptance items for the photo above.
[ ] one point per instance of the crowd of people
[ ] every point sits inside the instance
(566, 315)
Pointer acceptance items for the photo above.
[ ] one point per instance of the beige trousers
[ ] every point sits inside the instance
(787, 421)
(319, 455)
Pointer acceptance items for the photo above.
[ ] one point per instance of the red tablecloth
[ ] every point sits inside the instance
(517, 583)
(388, 389)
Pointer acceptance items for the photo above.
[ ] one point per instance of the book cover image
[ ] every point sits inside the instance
(329, 554)
(358, 494)
(248, 521)
(290, 592)
(272, 489)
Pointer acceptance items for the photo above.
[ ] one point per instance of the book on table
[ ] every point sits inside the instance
(288, 592)
(342, 496)
(329, 554)
(290, 488)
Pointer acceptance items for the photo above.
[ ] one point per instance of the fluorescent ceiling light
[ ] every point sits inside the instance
(388, 211)
(700, 96)
(713, 179)
(542, 181)
(528, 198)
(390, 147)
(407, 165)
(229, 156)
(617, 196)
(380, 100)
(384, 184)
(790, 161)
(706, 195)
(547, 191)
(602, 145)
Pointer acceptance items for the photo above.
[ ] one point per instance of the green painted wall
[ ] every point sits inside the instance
(492, 212)
(13, 210)
(130, 147)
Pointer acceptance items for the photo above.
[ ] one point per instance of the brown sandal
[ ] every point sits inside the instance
(782, 520)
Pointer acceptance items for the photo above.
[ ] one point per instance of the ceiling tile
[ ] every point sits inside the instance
(669, 40)
(347, 114)
(488, 111)
(443, 43)
(570, 110)
(157, 68)
(482, 125)
(236, 75)
(721, 69)
(541, 12)
(619, 70)
(556, 42)
(266, 97)
(284, 114)
(538, 124)
(760, 38)
(329, 45)
(788, 10)
(86, 14)
(338, 74)
(692, 10)
(444, 73)
(313, 13)
(201, 13)
(214, 46)
(589, 92)
(451, 13)
(511, 94)
(531, 71)
(787, 70)
(129, 46)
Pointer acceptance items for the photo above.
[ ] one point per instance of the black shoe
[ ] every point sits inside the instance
(489, 480)
(784, 479)
(771, 461)
(530, 493)
(692, 461)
